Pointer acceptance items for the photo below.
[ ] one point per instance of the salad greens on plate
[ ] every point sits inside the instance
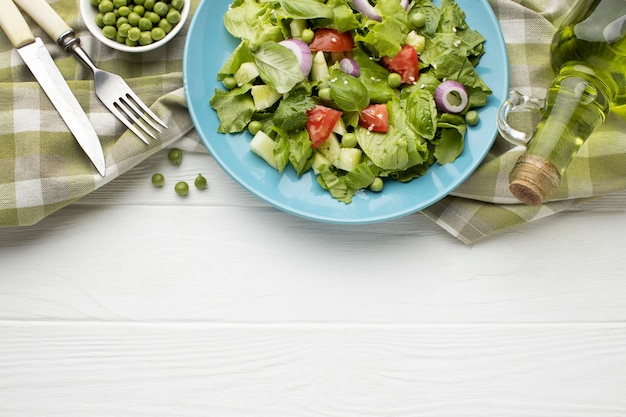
(355, 91)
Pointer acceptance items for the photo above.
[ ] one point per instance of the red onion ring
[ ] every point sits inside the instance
(350, 66)
(443, 94)
(365, 8)
(302, 51)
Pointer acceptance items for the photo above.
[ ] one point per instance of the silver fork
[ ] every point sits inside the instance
(115, 94)
(110, 88)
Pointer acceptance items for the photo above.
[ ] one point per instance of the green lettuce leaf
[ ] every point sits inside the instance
(397, 149)
(450, 143)
(234, 108)
(385, 38)
(251, 21)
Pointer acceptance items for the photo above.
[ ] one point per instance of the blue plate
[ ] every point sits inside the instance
(209, 45)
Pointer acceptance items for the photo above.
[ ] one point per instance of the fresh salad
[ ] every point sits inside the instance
(360, 93)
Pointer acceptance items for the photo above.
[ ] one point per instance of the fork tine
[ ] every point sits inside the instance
(114, 109)
(134, 118)
(130, 102)
(145, 108)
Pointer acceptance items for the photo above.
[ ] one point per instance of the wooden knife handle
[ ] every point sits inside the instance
(45, 16)
(14, 24)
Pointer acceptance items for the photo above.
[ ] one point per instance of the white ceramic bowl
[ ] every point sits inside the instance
(89, 13)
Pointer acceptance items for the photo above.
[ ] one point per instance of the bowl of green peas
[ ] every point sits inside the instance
(134, 25)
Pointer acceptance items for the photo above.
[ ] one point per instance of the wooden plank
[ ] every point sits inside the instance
(236, 370)
(237, 264)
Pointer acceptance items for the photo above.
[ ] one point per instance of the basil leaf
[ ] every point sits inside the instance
(348, 92)
(278, 67)
(306, 9)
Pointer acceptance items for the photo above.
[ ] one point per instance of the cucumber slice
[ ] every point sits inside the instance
(348, 159)
(246, 73)
(330, 148)
(263, 146)
(319, 70)
(264, 96)
(319, 163)
(340, 127)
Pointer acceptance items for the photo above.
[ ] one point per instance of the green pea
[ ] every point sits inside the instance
(123, 29)
(124, 11)
(394, 80)
(157, 34)
(175, 156)
(418, 20)
(133, 19)
(173, 16)
(109, 19)
(200, 182)
(100, 20)
(145, 38)
(144, 24)
(109, 32)
(181, 188)
(472, 118)
(139, 9)
(134, 34)
(349, 140)
(120, 21)
(153, 18)
(377, 185)
(106, 6)
(229, 83)
(119, 3)
(254, 127)
(307, 35)
(139, 2)
(149, 4)
(177, 4)
(165, 25)
(161, 8)
(119, 38)
(158, 180)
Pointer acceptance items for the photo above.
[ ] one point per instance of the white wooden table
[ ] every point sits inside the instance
(136, 302)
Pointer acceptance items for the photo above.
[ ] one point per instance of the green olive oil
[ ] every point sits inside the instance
(589, 56)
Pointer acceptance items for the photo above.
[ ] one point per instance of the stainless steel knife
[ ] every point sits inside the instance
(36, 56)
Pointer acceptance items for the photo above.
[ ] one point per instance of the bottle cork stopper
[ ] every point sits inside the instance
(533, 179)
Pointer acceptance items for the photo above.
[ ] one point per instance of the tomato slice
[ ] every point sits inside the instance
(330, 40)
(405, 63)
(320, 124)
(375, 118)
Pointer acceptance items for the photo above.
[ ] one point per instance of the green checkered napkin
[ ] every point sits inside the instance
(43, 170)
